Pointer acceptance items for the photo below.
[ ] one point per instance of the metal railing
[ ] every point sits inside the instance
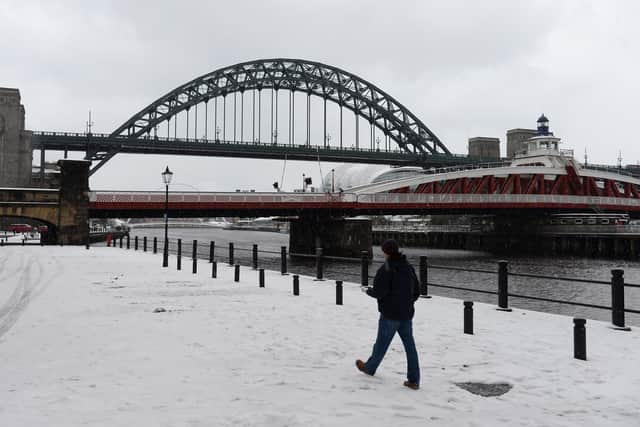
(207, 250)
(608, 168)
(88, 138)
(617, 285)
(363, 199)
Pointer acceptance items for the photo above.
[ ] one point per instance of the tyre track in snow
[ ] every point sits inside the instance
(30, 283)
(11, 265)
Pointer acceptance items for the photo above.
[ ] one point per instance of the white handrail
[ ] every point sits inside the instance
(394, 198)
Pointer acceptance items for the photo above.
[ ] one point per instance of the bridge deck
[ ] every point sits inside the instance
(96, 143)
(138, 204)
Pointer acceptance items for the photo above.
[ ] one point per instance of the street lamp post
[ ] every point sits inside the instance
(166, 178)
(333, 180)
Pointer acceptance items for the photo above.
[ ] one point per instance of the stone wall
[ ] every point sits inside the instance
(15, 142)
(484, 147)
(73, 225)
(516, 140)
(343, 237)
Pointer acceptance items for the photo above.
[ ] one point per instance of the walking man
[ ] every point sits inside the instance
(396, 288)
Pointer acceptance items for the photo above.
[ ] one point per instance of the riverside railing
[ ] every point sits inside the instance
(616, 283)
(214, 254)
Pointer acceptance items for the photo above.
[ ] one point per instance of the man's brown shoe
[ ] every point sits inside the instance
(412, 386)
(361, 367)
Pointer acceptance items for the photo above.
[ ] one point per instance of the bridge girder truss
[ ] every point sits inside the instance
(328, 82)
(569, 184)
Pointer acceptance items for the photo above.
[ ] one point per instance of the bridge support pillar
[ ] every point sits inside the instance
(73, 217)
(633, 248)
(336, 236)
(15, 142)
(618, 248)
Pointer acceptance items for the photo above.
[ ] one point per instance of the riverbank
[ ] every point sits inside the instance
(84, 340)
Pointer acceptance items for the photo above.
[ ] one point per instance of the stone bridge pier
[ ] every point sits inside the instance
(345, 237)
(65, 210)
(73, 221)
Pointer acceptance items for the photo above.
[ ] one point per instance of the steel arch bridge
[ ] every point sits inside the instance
(180, 122)
(325, 81)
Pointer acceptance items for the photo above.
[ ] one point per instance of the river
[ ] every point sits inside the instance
(572, 267)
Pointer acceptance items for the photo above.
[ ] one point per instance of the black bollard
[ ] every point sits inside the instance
(179, 255)
(503, 286)
(230, 253)
(128, 242)
(424, 275)
(364, 268)
(283, 260)
(319, 264)
(617, 298)
(155, 245)
(194, 256)
(61, 242)
(255, 256)
(212, 247)
(135, 243)
(121, 242)
(468, 317)
(144, 244)
(86, 245)
(579, 339)
(236, 275)
(261, 277)
(296, 284)
(214, 270)
(338, 292)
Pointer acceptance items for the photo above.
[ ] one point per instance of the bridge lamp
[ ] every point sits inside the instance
(166, 178)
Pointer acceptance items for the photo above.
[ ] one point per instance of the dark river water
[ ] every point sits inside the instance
(571, 267)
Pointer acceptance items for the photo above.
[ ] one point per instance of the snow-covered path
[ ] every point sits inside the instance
(80, 344)
(22, 277)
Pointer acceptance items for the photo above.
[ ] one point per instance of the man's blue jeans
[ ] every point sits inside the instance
(387, 328)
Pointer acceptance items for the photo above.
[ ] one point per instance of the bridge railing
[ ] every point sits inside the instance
(71, 134)
(612, 169)
(102, 136)
(364, 199)
(400, 198)
(188, 197)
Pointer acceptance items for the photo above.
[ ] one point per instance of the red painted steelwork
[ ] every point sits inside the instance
(570, 184)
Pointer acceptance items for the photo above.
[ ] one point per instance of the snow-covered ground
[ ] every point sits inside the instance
(80, 344)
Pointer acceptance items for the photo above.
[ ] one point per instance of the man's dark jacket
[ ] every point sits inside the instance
(396, 288)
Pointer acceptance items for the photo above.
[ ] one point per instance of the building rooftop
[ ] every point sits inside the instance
(521, 130)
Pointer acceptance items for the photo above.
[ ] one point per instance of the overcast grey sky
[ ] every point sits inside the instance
(465, 68)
